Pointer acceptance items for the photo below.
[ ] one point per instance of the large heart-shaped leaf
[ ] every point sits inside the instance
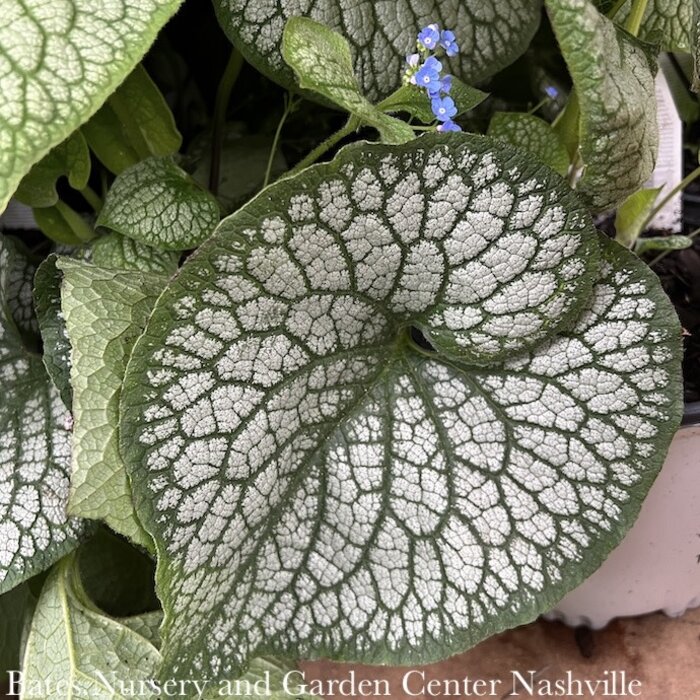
(34, 444)
(491, 34)
(317, 483)
(614, 78)
(58, 63)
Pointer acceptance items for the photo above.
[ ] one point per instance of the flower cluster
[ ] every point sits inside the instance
(426, 71)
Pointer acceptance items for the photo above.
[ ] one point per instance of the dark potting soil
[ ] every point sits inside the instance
(679, 273)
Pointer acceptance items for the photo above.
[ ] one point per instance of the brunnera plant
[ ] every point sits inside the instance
(396, 402)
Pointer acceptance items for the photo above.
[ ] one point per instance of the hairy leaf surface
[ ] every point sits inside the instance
(159, 204)
(319, 485)
(134, 124)
(34, 443)
(322, 61)
(105, 311)
(414, 101)
(73, 643)
(613, 75)
(122, 253)
(667, 23)
(58, 63)
(532, 134)
(491, 34)
(71, 159)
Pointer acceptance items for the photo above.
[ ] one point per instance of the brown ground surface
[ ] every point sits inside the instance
(662, 653)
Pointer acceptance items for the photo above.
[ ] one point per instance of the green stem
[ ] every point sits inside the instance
(323, 148)
(634, 21)
(539, 105)
(678, 188)
(661, 256)
(92, 198)
(289, 106)
(77, 224)
(615, 9)
(223, 97)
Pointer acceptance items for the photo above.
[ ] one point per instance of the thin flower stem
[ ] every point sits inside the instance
(634, 21)
(678, 188)
(539, 105)
(289, 107)
(323, 148)
(223, 97)
(661, 256)
(92, 198)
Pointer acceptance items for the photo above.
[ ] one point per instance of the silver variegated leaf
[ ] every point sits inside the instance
(34, 445)
(158, 204)
(58, 63)
(119, 252)
(613, 74)
(318, 484)
(491, 34)
(667, 23)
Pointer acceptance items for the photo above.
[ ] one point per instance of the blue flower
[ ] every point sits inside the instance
(552, 92)
(429, 37)
(428, 75)
(448, 41)
(449, 126)
(446, 84)
(443, 108)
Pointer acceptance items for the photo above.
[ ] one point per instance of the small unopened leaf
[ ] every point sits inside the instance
(633, 215)
(532, 134)
(60, 61)
(414, 101)
(121, 253)
(52, 325)
(34, 454)
(319, 485)
(159, 204)
(322, 62)
(613, 75)
(105, 311)
(491, 34)
(82, 653)
(647, 245)
(135, 123)
(71, 159)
